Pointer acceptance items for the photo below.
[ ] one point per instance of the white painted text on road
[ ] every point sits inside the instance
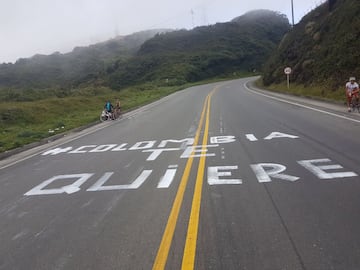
(217, 175)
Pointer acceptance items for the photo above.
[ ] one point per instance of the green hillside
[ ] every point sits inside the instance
(158, 57)
(46, 95)
(322, 49)
(65, 71)
(204, 52)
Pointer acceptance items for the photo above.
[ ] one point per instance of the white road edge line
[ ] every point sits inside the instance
(52, 144)
(300, 105)
(38, 150)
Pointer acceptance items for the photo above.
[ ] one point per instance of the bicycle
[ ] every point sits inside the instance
(105, 116)
(354, 103)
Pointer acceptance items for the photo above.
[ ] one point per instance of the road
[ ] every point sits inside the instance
(219, 176)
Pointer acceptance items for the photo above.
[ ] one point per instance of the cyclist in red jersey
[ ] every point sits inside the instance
(352, 89)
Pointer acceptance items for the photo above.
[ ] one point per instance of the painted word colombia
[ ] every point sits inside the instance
(164, 146)
(323, 169)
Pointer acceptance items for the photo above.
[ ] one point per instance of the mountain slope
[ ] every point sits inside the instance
(204, 52)
(158, 56)
(322, 49)
(66, 70)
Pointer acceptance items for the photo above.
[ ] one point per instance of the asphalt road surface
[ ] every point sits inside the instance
(219, 176)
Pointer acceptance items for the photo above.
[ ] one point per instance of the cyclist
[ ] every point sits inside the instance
(109, 108)
(352, 89)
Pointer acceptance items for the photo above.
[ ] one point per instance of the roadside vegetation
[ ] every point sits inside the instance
(313, 91)
(322, 49)
(24, 122)
(49, 94)
(46, 95)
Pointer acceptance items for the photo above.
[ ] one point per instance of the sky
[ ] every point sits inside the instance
(29, 27)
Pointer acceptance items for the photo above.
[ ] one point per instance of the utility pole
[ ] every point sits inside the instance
(192, 18)
(292, 12)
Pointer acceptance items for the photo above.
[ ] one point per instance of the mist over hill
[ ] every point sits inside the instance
(242, 45)
(83, 64)
(155, 56)
(322, 49)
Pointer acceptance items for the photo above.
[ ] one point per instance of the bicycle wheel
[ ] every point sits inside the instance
(104, 116)
(353, 104)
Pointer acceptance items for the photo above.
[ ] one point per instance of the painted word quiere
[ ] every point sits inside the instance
(322, 169)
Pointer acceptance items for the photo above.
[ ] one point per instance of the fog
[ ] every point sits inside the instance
(29, 27)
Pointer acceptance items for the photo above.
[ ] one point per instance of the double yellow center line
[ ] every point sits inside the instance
(191, 237)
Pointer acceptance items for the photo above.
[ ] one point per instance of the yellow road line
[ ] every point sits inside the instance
(162, 254)
(191, 238)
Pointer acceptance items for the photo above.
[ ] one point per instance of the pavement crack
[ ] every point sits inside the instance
(285, 228)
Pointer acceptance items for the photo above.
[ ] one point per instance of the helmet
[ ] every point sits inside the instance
(352, 79)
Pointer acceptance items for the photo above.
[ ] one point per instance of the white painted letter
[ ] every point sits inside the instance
(103, 148)
(81, 150)
(222, 139)
(191, 150)
(187, 141)
(157, 152)
(275, 170)
(319, 171)
(168, 177)
(274, 135)
(214, 174)
(143, 145)
(120, 147)
(69, 189)
(251, 137)
(98, 186)
(57, 151)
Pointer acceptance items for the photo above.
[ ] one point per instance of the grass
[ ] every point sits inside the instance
(309, 91)
(24, 122)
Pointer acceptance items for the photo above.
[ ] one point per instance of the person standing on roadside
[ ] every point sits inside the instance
(117, 108)
(351, 89)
